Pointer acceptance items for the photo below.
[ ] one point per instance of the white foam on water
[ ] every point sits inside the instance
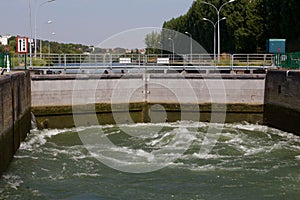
(125, 155)
(173, 141)
(79, 157)
(12, 181)
(166, 145)
(209, 156)
(39, 138)
(86, 175)
(200, 168)
(22, 157)
(235, 139)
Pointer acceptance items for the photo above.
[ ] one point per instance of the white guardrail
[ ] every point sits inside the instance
(154, 61)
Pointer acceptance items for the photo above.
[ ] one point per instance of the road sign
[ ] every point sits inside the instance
(22, 45)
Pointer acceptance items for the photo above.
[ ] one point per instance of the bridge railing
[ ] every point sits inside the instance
(105, 60)
(252, 60)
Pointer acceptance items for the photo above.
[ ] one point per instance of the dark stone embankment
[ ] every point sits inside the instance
(282, 100)
(15, 114)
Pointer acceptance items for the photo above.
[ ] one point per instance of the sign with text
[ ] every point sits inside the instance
(22, 45)
(125, 60)
(163, 60)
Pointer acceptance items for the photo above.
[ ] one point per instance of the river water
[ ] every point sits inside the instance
(247, 162)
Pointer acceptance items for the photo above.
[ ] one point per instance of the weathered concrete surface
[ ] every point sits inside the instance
(55, 94)
(282, 100)
(68, 90)
(15, 117)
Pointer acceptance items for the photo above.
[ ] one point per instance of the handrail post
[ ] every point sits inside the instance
(248, 61)
(232, 61)
(65, 60)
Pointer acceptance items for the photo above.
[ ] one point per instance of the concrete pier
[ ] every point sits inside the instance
(282, 100)
(15, 117)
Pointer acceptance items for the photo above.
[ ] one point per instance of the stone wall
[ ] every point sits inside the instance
(282, 100)
(15, 117)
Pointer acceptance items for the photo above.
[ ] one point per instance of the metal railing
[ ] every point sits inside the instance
(154, 61)
(139, 59)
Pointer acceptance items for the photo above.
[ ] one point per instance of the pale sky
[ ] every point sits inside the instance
(87, 22)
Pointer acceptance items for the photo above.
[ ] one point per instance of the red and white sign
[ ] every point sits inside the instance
(22, 45)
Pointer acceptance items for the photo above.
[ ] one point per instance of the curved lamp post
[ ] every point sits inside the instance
(52, 35)
(191, 42)
(173, 47)
(218, 13)
(41, 44)
(35, 28)
(161, 48)
(214, 25)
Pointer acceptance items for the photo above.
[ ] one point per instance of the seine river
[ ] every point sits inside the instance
(247, 162)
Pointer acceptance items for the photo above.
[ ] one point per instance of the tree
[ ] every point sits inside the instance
(249, 23)
(153, 42)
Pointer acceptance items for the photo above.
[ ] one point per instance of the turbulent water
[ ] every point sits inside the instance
(247, 162)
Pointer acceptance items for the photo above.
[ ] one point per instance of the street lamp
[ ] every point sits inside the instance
(41, 43)
(161, 48)
(218, 12)
(49, 52)
(173, 47)
(214, 25)
(35, 28)
(52, 34)
(191, 43)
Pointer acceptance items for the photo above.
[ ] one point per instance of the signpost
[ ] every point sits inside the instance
(6, 59)
(22, 47)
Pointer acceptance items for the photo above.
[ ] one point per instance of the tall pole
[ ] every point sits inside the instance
(214, 25)
(173, 48)
(41, 45)
(219, 32)
(191, 43)
(35, 25)
(30, 24)
(161, 49)
(49, 52)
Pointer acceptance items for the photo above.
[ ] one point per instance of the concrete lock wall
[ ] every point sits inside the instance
(282, 100)
(54, 95)
(278, 97)
(15, 117)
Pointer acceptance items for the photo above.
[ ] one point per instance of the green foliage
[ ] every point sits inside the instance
(15, 61)
(153, 42)
(12, 43)
(39, 62)
(248, 25)
(1, 48)
(61, 48)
